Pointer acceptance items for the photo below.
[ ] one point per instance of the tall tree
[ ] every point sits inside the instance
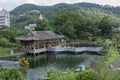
(63, 24)
(42, 25)
(105, 26)
(73, 25)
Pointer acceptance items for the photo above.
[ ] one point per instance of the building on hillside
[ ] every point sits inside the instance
(40, 17)
(30, 27)
(4, 18)
(40, 41)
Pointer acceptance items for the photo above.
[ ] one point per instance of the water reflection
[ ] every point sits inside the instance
(58, 60)
(61, 61)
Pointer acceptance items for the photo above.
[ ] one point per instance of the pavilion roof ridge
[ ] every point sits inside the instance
(40, 35)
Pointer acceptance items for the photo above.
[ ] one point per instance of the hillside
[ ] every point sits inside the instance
(23, 15)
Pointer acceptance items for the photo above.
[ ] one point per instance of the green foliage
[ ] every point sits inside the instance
(106, 45)
(4, 52)
(70, 75)
(24, 66)
(105, 26)
(88, 75)
(107, 42)
(10, 74)
(116, 37)
(73, 25)
(83, 20)
(88, 10)
(10, 33)
(4, 42)
(63, 24)
(42, 25)
(7, 37)
(58, 75)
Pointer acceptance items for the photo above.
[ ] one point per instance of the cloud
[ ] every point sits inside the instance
(30, 1)
(10, 4)
(52, 2)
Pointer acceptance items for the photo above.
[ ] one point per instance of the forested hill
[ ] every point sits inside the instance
(22, 15)
(106, 8)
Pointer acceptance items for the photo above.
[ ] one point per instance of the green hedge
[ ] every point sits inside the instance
(70, 75)
(88, 75)
(10, 74)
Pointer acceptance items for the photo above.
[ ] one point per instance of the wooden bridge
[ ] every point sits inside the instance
(75, 49)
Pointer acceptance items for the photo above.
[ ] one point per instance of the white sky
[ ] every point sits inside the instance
(11, 4)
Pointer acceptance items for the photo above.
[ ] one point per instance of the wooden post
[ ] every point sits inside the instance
(25, 48)
(34, 48)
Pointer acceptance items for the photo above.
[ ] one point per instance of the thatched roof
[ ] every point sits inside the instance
(40, 35)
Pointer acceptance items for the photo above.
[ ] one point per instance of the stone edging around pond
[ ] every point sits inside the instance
(9, 64)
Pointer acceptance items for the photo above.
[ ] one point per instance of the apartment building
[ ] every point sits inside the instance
(4, 18)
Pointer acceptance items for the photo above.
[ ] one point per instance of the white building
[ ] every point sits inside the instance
(4, 18)
(30, 27)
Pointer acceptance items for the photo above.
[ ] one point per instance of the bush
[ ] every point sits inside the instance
(104, 51)
(24, 66)
(58, 75)
(70, 75)
(10, 74)
(88, 75)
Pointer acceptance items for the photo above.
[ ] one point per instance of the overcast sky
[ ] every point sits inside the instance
(11, 4)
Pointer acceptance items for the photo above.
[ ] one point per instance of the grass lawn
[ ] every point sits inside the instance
(4, 52)
(112, 56)
(111, 74)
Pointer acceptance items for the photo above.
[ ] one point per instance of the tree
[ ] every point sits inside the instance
(73, 25)
(10, 33)
(63, 24)
(7, 36)
(42, 25)
(105, 26)
(4, 42)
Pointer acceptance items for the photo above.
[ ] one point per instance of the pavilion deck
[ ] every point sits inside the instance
(36, 50)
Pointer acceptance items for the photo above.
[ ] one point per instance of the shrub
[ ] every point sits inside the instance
(24, 66)
(88, 75)
(24, 63)
(10, 74)
(58, 75)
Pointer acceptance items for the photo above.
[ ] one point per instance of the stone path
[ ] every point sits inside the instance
(9, 64)
(115, 65)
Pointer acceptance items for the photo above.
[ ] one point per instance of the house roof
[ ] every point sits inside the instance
(40, 35)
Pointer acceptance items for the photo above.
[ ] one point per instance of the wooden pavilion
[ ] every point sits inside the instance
(39, 41)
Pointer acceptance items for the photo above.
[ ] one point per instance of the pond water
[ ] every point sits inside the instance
(40, 64)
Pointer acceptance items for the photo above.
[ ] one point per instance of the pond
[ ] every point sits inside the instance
(40, 64)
